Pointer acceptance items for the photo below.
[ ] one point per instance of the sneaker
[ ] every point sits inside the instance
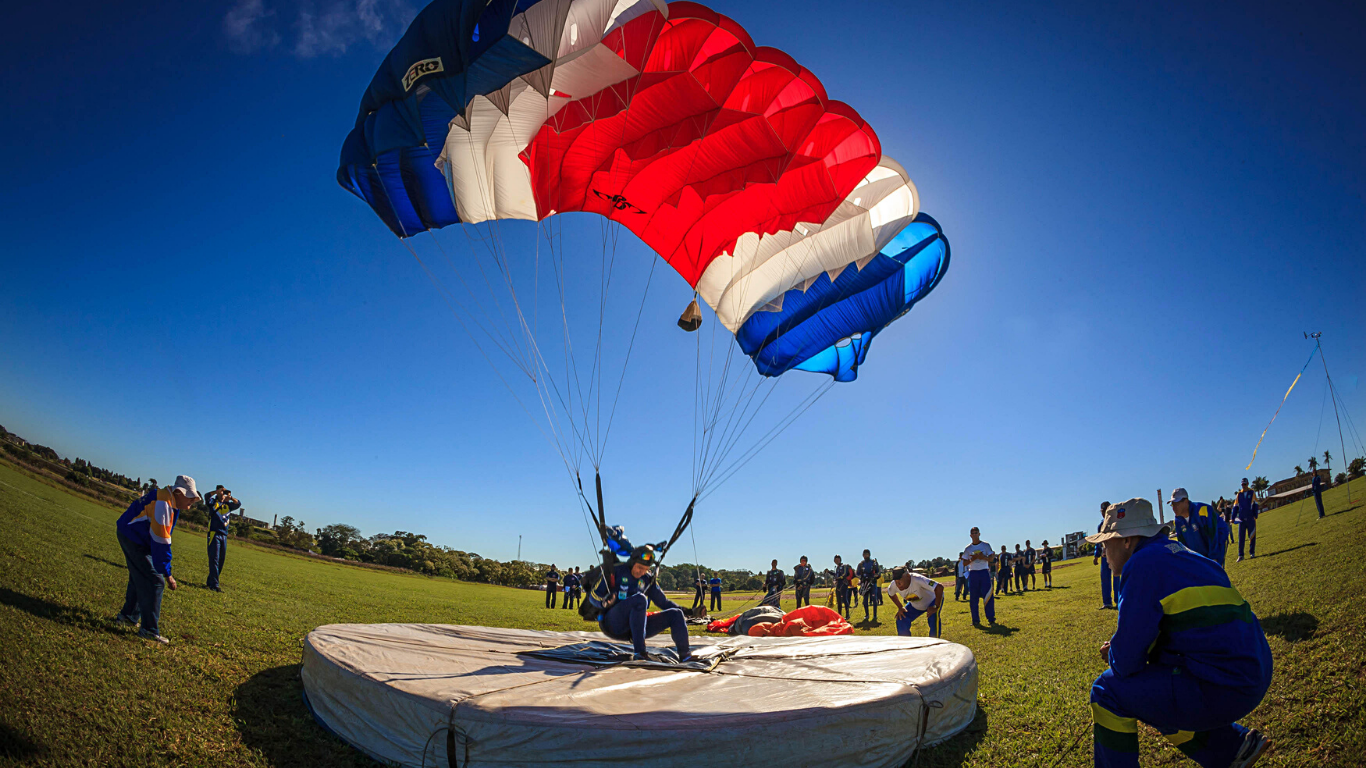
(1104, 608)
(149, 635)
(977, 624)
(1254, 746)
(216, 589)
(119, 618)
(1239, 560)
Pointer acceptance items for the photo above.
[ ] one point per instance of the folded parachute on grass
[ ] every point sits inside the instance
(807, 621)
(727, 158)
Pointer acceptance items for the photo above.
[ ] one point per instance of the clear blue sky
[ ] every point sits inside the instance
(1147, 207)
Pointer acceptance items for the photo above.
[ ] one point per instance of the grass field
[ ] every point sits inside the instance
(75, 690)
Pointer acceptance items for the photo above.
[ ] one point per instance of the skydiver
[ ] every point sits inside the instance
(1188, 656)
(1020, 570)
(1046, 564)
(1246, 511)
(699, 598)
(1031, 557)
(144, 533)
(1109, 578)
(843, 574)
(1199, 527)
(571, 582)
(629, 618)
(774, 583)
(802, 578)
(1003, 563)
(867, 573)
(221, 505)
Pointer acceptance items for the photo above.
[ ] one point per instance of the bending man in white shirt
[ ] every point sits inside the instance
(913, 595)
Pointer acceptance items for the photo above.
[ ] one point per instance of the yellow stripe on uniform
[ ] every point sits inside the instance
(1110, 721)
(1186, 599)
(1180, 737)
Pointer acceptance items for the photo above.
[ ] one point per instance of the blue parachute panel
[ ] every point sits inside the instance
(829, 327)
(453, 51)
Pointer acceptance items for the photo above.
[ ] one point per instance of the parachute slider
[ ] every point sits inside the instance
(691, 319)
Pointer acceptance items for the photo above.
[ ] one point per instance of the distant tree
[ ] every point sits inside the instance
(1313, 464)
(1298, 470)
(341, 540)
(1340, 479)
(1356, 467)
(1259, 484)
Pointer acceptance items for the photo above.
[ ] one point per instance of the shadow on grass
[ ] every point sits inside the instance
(1289, 549)
(56, 612)
(98, 559)
(1004, 630)
(272, 718)
(17, 745)
(1291, 627)
(1345, 511)
(955, 751)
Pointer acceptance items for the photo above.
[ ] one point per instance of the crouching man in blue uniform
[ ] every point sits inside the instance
(1188, 656)
(629, 619)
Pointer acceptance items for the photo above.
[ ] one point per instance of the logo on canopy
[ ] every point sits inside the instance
(618, 202)
(420, 69)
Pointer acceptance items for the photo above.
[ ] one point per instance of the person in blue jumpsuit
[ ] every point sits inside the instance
(843, 573)
(802, 579)
(1188, 656)
(979, 556)
(629, 618)
(867, 573)
(1109, 580)
(774, 584)
(571, 587)
(1245, 511)
(1199, 527)
(221, 505)
(1004, 569)
(715, 583)
(1021, 561)
(144, 534)
(1316, 485)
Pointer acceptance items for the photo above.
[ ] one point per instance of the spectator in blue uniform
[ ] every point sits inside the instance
(802, 579)
(699, 598)
(1046, 564)
(1316, 485)
(629, 618)
(221, 505)
(144, 534)
(1199, 527)
(960, 577)
(1245, 511)
(571, 586)
(1021, 570)
(1109, 580)
(1188, 656)
(552, 586)
(979, 556)
(1031, 558)
(715, 583)
(1005, 567)
(867, 573)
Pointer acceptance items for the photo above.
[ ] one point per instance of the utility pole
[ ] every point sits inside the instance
(1317, 336)
(1161, 509)
(519, 547)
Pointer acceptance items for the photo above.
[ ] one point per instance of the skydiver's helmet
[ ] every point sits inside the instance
(646, 554)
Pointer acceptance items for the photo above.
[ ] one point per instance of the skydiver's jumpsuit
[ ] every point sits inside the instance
(773, 588)
(552, 587)
(1021, 570)
(867, 578)
(801, 578)
(571, 587)
(629, 617)
(219, 512)
(715, 583)
(843, 573)
(699, 598)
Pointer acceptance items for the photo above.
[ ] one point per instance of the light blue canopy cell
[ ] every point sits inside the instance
(829, 327)
(453, 51)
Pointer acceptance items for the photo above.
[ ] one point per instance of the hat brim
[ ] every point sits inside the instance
(1146, 531)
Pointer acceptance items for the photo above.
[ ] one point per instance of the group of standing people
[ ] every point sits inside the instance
(570, 582)
(144, 533)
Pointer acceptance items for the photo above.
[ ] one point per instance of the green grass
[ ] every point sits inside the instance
(75, 690)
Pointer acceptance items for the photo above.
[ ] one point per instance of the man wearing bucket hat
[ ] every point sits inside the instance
(1188, 656)
(144, 534)
(1199, 526)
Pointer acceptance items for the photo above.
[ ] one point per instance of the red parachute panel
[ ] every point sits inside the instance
(715, 138)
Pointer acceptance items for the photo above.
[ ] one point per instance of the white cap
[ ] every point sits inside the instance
(1178, 495)
(1130, 518)
(185, 483)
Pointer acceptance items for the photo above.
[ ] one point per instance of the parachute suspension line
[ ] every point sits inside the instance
(769, 437)
(1342, 445)
(611, 416)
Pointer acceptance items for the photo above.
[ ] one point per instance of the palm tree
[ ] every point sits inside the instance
(1313, 464)
(1328, 462)
(1298, 470)
(1259, 484)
